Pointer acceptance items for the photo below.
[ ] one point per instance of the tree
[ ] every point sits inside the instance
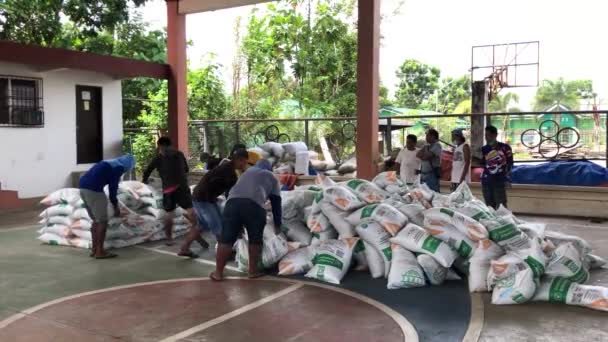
(502, 104)
(40, 21)
(417, 82)
(562, 92)
(451, 92)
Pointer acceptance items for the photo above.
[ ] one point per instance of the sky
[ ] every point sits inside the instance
(442, 32)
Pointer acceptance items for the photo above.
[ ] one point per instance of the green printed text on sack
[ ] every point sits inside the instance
(328, 260)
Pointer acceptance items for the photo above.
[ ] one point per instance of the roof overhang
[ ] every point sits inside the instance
(45, 59)
(197, 6)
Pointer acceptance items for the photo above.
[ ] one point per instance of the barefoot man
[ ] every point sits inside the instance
(245, 208)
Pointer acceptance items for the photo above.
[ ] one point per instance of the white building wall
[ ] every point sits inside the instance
(37, 161)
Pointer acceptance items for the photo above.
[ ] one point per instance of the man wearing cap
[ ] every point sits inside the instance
(461, 159)
(92, 183)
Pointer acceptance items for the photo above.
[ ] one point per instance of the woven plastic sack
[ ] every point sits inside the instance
(375, 261)
(516, 288)
(445, 217)
(296, 262)
(342, 198)
(566, 262)
(418, 240)
(564, 291)
(332, 260)
(435, 273)
(57, 210)
(390, 218)
(387, 178)
(480, 263)
(374, 234)
(337, 218)
(297, 231)
(62, 196)
(367, 191)
(405, 271)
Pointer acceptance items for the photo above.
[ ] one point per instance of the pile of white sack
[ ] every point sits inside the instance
(413, 237)
(295, 158)
(67, 223)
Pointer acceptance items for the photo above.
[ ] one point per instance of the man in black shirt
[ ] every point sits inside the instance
(173, 170)
(214, 183)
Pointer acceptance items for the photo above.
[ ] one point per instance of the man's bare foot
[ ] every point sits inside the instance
(215, 277)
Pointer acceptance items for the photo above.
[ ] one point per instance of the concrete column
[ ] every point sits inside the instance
(368, 87)
(177, 60)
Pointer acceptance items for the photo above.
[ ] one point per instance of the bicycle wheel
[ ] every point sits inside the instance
(530, 138)
(349, 131)
(568, 132)
(548, 129)
(283, 138)
(549, 149)
(259, 138)
(272, 133)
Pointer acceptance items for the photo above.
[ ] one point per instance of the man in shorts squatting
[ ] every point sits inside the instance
(173, 170)
(214, 183)
(245, 208)
(498, 162)
(106, 172)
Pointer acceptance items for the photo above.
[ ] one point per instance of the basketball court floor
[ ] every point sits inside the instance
(51, 293)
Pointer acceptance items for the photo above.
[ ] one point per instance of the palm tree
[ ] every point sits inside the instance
(502, 104)
(562, 92)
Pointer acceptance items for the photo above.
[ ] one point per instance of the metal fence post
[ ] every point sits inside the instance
(606, 129)
(306, 133)
(237, 132)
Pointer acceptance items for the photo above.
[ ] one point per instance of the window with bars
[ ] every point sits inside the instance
(21, 102)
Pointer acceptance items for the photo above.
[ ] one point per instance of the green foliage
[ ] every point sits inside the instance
(417, 82)
(502, 103)
(206, 95)
(452, 92)
(560, 91)
(40, 21)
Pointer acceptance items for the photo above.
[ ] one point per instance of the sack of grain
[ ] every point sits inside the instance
(476, 210)
(274, 248)
(292, 148)
(294, 202)
(56, 229)
(318, 223)
(318, 238)
(594, 262)
(348, 166)
(461, 195)
(566, 262)
(405, 271)
(435, 273)
(63, 196)
(504, 267)
(515, 289)
(387, 178)
(82, 225)
(57, 240)
(561, 290)
(81, 214)
(444, 217)
(375, 261)
(505, 233)
(297, 231)
(342, 198)
(57, 210)
(315, 188)
(135, 188)
(332, 260)
(273, 148)
(414, 211)
(390, 218)
(418, 240)
(337, 218)
(557, 239)
(296, 262)
(324, 180)
(454, 238)
(302, 162)
(533, 255)
(374, 234)
(532, 229)
(479, 265)
(367, 191)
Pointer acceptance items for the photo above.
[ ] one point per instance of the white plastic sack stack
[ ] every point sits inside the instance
(516, 288)
(405, 271)
(297, 231)
(416, 239)
(332, 260)
(560, 290)
(452, 236)
(390, 218)
(274, 148)
(566, 262)
(274, 248)
(387, 178)
(413, 211)
(445, 217)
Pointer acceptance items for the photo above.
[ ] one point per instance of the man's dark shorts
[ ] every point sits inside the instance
(239, 213)
(181, 196)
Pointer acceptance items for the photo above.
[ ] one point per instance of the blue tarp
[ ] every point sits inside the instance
(573, 173)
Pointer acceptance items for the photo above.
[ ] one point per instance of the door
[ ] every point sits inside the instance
(89, 140)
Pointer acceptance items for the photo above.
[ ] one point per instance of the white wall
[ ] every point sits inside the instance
(37, 161)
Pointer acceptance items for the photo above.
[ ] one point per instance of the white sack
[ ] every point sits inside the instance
(390, 218)
(405, 271)
(435, 273)
(418, 240)
(332, 260)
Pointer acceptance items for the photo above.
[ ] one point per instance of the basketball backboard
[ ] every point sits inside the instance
(509, 65)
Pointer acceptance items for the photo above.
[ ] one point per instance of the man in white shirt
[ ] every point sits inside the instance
(407, 162)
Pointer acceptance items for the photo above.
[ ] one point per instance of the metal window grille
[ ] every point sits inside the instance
(21, 102)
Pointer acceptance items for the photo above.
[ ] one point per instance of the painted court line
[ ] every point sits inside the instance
(477, 318)
(6, 230)
(199, 260)
(231, 314)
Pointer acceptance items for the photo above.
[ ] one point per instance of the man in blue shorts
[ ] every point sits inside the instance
(214, 183)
